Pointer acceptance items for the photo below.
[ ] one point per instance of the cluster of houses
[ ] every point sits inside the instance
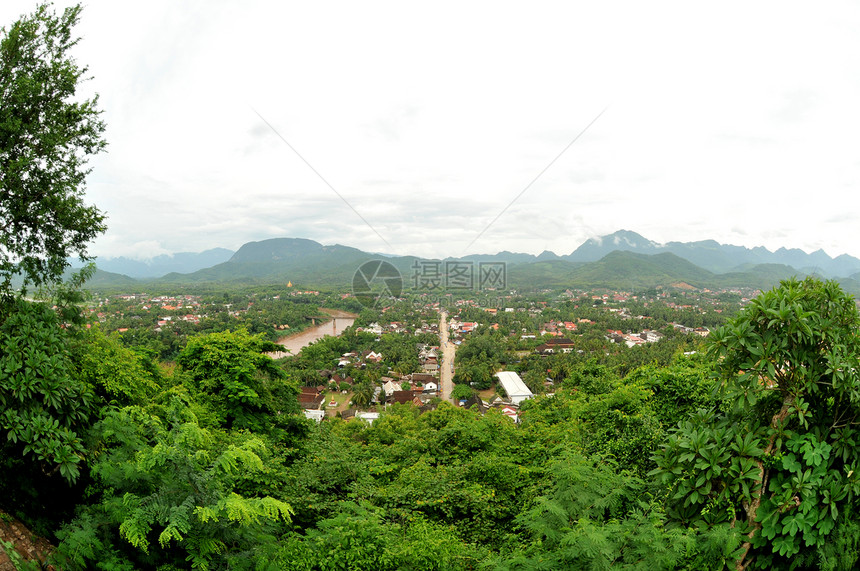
(616, 296)
(633, 339)
(461, 327)
(561, 328)
(624, 313)
(555, 345)
(419, 388)
(377, 329)
(422, 396)
(173, 302)
(416, 388)
(165, 302)
(432, 328)
(159, 303)
(295, 293)
(515, 390)
(700, 331)
(359, 360)
(312, 398)
(428, 358)
(162, 321)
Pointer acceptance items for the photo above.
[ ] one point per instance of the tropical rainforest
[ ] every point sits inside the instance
(739, 452)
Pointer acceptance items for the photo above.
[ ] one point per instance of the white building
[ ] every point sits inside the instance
(368, 417)
(514, 386)
(390, 387)
(651, 336)
(511, 413)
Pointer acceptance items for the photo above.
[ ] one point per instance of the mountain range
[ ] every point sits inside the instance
(621, 259)
(716, 257)
(182, 262)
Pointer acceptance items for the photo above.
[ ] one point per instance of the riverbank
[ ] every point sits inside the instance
(338, 313)
(294, 342)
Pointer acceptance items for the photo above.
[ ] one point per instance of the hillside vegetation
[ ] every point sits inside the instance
(717, 460)
(283, 260)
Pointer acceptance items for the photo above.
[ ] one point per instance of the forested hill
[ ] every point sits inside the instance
(305, 261)
(716, 257)
(277, 256)
(287, 259)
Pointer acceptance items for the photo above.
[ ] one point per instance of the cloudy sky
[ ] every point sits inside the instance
(402, 127)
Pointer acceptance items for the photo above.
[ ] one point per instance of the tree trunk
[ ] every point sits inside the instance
(752, 510)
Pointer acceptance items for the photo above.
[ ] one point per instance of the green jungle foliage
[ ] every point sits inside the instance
(777, 461)
(741, 457)
(185, 447)
(47, 134)
(230, 372)
(167, 489)
(44, 407)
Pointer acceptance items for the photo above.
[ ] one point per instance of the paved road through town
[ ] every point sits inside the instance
(448, 350)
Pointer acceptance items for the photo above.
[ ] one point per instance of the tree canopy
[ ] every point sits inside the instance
(779, 460)
(47, 134)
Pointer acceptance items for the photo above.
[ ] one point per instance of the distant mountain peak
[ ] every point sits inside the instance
(595, 248)
(275, 249)
(179, 262)
(623, 238)
(713, 256)
(547, 255)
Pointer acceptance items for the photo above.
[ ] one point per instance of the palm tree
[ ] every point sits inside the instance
(362, 394)
(465, 374)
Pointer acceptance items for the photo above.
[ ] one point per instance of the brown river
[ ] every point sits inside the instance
(294, 343)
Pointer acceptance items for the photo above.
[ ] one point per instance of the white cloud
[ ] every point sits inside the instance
(735, 122)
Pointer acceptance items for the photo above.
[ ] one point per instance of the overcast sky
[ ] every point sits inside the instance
(738, 122)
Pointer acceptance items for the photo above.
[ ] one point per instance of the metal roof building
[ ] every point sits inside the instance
(514, 386)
